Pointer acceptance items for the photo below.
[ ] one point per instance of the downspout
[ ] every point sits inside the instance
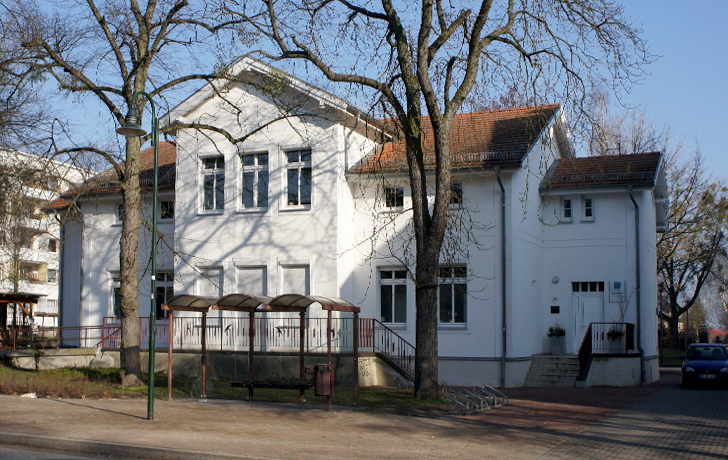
(638, 285)
(503, 275)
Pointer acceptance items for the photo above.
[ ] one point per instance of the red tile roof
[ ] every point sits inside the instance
(482, 139)
(603, 171)
(107, 182)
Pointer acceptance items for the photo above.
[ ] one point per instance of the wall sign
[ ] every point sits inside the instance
(616, 291)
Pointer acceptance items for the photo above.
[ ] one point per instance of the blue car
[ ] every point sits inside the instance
(705, 363)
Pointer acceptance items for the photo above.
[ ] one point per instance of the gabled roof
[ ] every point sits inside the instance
(250, 65)
(639, 169)
(107, 182)
(479, 139)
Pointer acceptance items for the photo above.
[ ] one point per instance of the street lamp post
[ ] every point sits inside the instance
(132, 128)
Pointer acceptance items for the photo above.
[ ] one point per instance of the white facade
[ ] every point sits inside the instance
(39, 256)
(247, 220)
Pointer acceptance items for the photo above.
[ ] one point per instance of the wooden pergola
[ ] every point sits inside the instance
(295, 303)
(26, 302)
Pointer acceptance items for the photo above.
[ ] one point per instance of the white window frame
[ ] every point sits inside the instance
(257, 169)
(395, 193)
(396, 276)
(161, 213)
(452, 276)
(240, 271)
(457, 195)
(567, 210)
(587, 204)
(284, 267)
(119, 211)
(114, 285)
(203, 276)
(48, 277)
(165, 280)
(217, 207)
(300, 167)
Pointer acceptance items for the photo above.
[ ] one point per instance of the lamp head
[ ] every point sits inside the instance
(132, 125)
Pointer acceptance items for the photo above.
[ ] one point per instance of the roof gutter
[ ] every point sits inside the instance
(637, 284)
(503, 276)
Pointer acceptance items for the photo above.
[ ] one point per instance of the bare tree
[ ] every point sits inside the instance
(107, 52)
(687, 252)
(413, 59)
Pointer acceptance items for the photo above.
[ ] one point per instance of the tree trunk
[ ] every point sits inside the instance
(672, 325)
(131, 373)
(426, 365)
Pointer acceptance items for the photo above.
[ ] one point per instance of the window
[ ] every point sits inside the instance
(298, 168)
(52, 276)
(566, 211)
(116, 295)
(252, 280)
(393, 296)
(213, 183)
(52, 306)
(588, 209)
(210, 282)
(587, 286)
(295, 279)
(456, 195)
(452, 295)
(52, 245)
(120, 211)
(166, 210)
(255, 181)
(394, 197)
(165, 291)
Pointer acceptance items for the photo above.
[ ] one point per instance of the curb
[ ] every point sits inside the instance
(113, 449)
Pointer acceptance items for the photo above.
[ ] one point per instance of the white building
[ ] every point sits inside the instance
(313, 199)
(33, 242)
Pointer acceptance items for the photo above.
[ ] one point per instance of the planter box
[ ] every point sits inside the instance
(558, 345)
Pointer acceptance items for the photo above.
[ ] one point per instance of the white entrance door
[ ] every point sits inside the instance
(588, 308)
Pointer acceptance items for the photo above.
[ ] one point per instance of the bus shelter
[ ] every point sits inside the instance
(250, 304)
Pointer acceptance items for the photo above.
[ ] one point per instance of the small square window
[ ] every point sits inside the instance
(456, 195)
(166, 210)
(52, 245)
(120, 211)
(394, 197)
(52, 276)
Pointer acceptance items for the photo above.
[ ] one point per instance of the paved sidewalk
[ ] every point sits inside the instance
(662, 421)
(670, 424)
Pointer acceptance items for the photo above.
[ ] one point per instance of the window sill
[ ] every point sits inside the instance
(217, 212)
(396, 326)
(587, 219)
(295, 208)
(252, 210)
(566, 221)
(452, 327)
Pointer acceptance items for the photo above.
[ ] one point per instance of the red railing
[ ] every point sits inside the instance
(51, 337)
(381, 339)
(604, 339)
(273, 333)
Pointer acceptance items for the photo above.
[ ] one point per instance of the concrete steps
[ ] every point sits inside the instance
(553, 371)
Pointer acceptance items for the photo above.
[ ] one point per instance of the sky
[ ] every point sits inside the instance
(688, 85)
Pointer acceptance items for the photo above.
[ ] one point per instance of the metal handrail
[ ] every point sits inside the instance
(604, 339)
(273, 333)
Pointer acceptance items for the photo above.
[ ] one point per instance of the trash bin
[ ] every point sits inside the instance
(323, 379)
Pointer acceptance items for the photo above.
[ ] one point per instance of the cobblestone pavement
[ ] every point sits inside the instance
(669, 424)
